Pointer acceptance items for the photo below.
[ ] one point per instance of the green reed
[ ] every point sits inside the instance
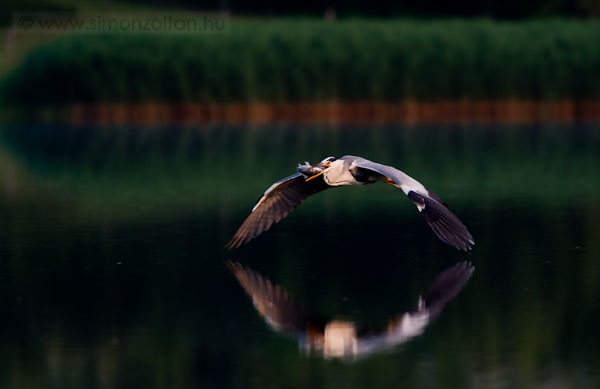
(312, 60)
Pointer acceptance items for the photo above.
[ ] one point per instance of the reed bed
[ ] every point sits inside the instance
(300, 60)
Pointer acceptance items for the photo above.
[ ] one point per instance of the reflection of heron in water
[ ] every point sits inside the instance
(285, 195)
(341, 338)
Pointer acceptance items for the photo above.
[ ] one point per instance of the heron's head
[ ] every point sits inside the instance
(312, 171)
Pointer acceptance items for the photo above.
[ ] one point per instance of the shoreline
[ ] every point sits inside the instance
(411, 112)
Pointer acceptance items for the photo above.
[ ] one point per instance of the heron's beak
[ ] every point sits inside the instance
(314, 171)
(316, 175)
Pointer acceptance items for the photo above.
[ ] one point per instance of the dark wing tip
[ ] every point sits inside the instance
(255, 224)
(446, 225)
(447, 285)
(234, 242)
(233, 266)
(237, 239)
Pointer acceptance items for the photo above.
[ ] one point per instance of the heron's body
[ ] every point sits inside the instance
(343, 172)
(350, 170)
(285, 195)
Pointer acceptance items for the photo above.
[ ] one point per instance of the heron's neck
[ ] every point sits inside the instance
(339, 174)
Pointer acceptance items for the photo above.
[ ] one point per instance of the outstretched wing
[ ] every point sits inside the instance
(442, 221)
(446, 286)
(271, 301)
(275, 204)
(411, 324)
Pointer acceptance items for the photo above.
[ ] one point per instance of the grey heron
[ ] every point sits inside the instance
(285, 195)
(340, 338)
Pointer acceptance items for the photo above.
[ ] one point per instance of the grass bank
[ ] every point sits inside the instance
(312, 60)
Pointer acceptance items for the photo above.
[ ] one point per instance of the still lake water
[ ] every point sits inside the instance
(113, 271)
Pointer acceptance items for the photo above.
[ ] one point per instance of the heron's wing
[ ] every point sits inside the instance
(399, 331)
(446, 286)
(442, 221)
(272, 302)
(442, 290)
(275, 204)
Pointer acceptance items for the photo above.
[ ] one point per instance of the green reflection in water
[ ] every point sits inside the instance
(112, 268)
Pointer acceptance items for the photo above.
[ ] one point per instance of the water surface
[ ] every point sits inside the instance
(112, 267)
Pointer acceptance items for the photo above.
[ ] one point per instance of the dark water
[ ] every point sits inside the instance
(113, 272)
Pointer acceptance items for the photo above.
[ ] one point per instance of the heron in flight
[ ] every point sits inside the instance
(339, 338)
(286, 194)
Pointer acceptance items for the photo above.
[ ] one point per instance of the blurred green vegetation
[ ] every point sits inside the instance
(9, 7)
(15, 46)
(294, 60)
(183, 170)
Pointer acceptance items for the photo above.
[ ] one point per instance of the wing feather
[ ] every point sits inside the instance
(276, 203)
(443, 289)
(272, 302)
(446, 286)
(446, 225)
